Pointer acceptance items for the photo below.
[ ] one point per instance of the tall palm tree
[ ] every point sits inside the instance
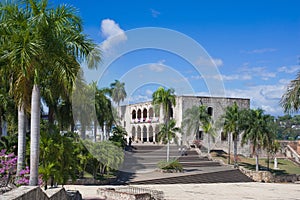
(269, 142)
(118, 92)
(18, 47)
(206, 124)
(51, 40)
(166, 99)
(255, 127)
(104, 110)
(191, 122)
(232, 126)
(290, 100)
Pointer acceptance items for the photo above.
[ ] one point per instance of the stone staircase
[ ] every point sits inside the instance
(141, 163)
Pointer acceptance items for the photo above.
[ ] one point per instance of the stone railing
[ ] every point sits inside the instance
(130, 193)
(35, 192)
(291, 153)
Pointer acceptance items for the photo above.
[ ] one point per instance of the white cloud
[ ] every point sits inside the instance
(289, 70)
(260, 51)
(266, 97)
(154, 13)
(157, 67)
(258, 72)
(112, 34)
(208, 62)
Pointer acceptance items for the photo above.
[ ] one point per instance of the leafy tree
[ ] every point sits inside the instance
(50, 39)
(118, 137)
(109, 156)
(166, 99)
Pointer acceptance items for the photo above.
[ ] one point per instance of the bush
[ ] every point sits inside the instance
(171, 166)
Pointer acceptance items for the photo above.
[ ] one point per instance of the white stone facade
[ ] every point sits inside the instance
(142, 123)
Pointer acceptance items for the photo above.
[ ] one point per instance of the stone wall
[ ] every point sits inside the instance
(35, 192)
(112, 194)
(218, 105)
(268, 177)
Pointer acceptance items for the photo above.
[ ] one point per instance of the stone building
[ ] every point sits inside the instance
(142, 121)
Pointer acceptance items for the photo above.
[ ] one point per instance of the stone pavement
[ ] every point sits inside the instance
(216, 191)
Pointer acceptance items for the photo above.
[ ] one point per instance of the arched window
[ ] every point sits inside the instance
(210, 111)
(144, 114)
(139, 114)
(133, 114)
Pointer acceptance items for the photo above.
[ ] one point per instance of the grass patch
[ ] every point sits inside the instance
(285, 166)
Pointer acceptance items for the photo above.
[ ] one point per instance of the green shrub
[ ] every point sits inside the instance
(172, 165)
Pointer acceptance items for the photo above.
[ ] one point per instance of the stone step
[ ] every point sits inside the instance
(229, 176)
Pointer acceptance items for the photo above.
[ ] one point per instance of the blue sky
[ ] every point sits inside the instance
(254, 44)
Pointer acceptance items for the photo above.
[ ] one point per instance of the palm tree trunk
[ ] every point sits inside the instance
(208, 146)
(95, 130)
(229, 147)
(0, 124)
(235, 150)
(256, 162)
(34, 135)
(168, 150)
(82, 131)
(21, 138)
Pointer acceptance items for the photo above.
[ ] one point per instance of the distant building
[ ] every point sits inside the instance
(142, 121)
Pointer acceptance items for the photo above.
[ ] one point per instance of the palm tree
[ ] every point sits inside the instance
(168, 133)
(290, 100)
(255, 127)
(191, 121)
(166, 99)
(206, 123)
(118, 92)
(104, 110)
(232, 126)
(50, 40)
(18, 47)
(269, 142)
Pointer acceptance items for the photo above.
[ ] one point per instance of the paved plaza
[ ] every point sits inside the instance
(214, 191)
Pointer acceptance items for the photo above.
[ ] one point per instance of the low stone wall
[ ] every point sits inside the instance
(260, 176)
(112, 194)
(290, 178)
(268, 177)
(35, 192)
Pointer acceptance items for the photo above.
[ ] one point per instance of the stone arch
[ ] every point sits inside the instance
(210, 111)
(133, 114)
(139, 133)
(133, 134)
(139, 114)
(150, 131)
(145, 114)
(144, 138)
